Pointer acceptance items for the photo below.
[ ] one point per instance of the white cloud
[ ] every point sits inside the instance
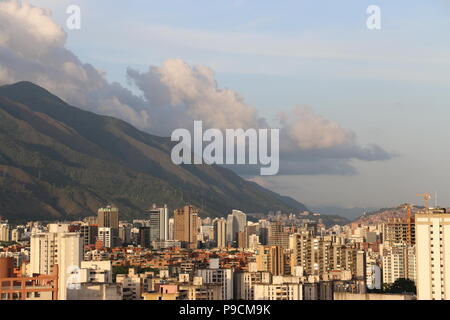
(191, 93)
(32, 48)
(306, 130)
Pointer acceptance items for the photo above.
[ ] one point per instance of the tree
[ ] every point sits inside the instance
(402, 285)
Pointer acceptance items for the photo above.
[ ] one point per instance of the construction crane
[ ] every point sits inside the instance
(426, 196)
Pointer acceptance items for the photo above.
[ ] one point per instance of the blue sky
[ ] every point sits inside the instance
(390, 86)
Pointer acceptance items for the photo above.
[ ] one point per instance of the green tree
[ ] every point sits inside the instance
(402, 285)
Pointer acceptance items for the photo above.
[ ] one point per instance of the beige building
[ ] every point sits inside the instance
(433, 255)
(59, 247)
(5, 234)
(399, 261)
(220, 232)
(270, 259)
(186, 225)
(281, 291)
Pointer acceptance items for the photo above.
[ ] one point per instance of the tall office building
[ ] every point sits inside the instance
(236, 222)
(159, 223)
(59, 247)
(220, 227)
(186, 225)
(109, 218)
(433, 254)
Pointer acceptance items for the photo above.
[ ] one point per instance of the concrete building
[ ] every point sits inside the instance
(132, 285)
(244, 283)
(186, 225)
(397, 230)
(399, 261)
(16, 286)
(89, 233)
(223, 277)
(270, 259)
(5, 232)
(109, 218)
(279, 291)
(236, 222)
(159, 223)
(220, 232)
(433, 254)
(278, 236)
(58, 247)
(105, 237)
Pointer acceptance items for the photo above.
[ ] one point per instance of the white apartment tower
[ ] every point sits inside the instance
(159, 223)
(59, 247)
(433, 254)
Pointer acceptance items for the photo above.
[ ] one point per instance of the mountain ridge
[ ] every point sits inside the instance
(58, 161)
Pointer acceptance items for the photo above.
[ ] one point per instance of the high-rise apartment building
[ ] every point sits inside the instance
(399, 261)
(433, 254)
(159, 223)
(186, 225)
(271, 259)
(5, 233)
(220, 239)
(278, 236)
(105, 237)
(58, 247)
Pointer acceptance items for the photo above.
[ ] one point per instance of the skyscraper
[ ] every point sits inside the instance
(432, 254)
(109, 218)
(59, 247)
(220, 225)
(159, 223)
(236, 222)
(186, 225)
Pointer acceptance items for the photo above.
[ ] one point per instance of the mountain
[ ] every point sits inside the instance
(384, 214)
(349, 213)
(61, 162)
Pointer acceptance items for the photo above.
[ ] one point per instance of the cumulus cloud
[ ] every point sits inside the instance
(32, 48)
(191, 93)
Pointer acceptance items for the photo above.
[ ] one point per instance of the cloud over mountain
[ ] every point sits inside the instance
(33, 48)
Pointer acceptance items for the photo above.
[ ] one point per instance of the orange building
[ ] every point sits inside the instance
(14, 286)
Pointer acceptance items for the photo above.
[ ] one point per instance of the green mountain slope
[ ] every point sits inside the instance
(57, 162)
